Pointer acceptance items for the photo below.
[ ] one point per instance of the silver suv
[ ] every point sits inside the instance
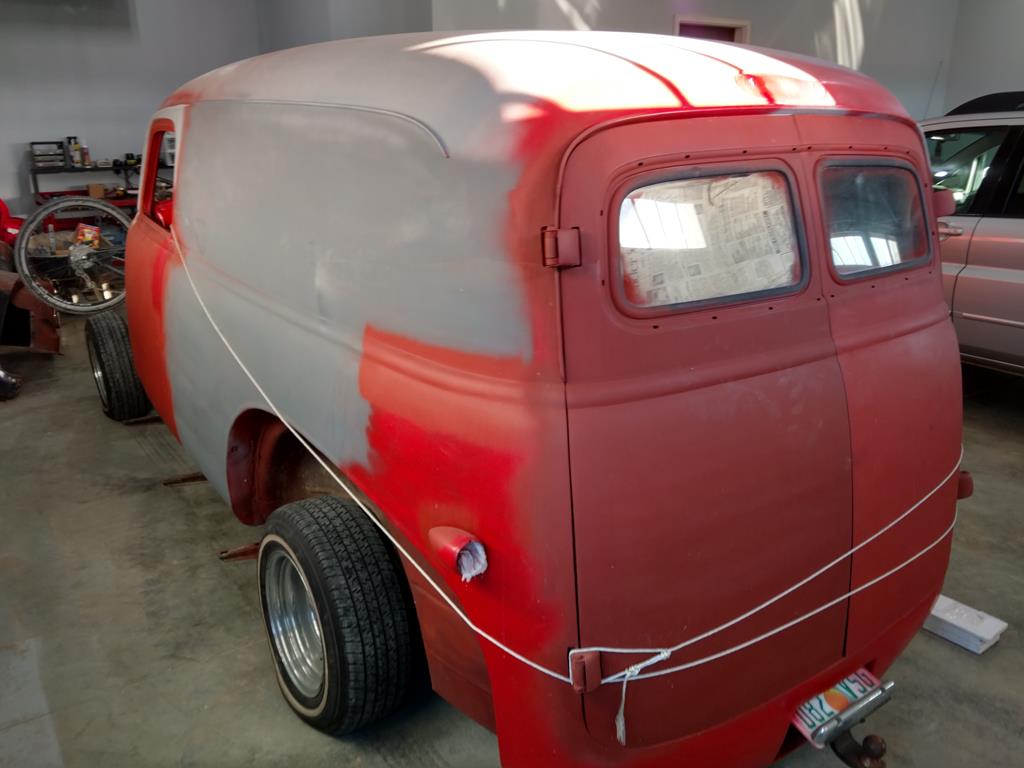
(977, 152)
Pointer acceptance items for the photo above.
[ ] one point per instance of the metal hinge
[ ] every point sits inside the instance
(561, 247)
(585, 671)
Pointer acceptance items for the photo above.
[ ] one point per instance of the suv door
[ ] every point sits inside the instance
(988, 311)
(977, 163)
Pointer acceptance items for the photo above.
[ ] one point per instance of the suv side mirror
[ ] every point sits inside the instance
(943, 202)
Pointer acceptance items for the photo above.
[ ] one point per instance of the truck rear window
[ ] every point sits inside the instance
(875, 218)
(708, 238)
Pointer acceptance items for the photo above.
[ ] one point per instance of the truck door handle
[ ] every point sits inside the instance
(949, 230)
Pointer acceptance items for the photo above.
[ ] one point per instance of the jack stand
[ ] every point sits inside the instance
(189, 479)
(858, 755)
(150, 418)
(244, 552)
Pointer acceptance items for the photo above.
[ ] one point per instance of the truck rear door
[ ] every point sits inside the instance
(708, 424)
(897, 351)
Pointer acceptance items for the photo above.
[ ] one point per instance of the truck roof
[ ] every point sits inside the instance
(458, 84)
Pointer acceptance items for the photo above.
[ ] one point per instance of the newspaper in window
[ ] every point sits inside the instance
(694, 239)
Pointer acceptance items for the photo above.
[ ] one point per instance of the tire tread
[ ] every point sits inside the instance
(368, 606)
(126, 398)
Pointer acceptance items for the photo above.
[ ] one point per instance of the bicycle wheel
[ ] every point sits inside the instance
(70, 253)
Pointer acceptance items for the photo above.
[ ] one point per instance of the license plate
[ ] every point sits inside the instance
(822, 708)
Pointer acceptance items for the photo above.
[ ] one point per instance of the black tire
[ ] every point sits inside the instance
(363, 610)
(110, 358)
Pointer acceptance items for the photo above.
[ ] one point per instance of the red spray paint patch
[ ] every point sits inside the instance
(444, 454)
(148, 265)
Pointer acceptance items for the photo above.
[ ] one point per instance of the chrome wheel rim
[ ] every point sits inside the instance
(293, 623)
(70, 276)
(97, 372)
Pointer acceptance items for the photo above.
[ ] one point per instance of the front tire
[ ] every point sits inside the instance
(113, 368)
(337, 617)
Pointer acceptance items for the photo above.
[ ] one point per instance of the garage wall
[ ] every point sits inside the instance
(287, 23)
(905, 44)
(987, 52)
(98, 69)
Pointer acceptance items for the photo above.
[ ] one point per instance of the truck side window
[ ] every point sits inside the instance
(875, 218)
(161, 206)
(707, 238)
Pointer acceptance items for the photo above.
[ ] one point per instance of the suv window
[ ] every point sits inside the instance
(961, 158)
(1015, 203)
(875, 218)
(706, 238)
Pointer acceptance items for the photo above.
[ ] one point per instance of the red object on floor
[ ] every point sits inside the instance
(10, 226)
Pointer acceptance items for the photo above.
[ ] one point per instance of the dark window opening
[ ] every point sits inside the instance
(160, 206)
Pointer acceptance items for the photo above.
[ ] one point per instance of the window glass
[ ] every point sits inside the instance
(960, 160)
(1015, 205)
(705, 238)
(875, 218)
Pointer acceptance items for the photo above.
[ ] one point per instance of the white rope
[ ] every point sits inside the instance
(775, 598)
(783, 627)
(632, 673)
(635, 671)
(345, 487)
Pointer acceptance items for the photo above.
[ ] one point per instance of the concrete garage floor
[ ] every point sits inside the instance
(124, 641)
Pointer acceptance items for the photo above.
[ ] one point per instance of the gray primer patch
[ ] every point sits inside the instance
(304, 225)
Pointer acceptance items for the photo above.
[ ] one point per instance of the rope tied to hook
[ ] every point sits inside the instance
(632, 672)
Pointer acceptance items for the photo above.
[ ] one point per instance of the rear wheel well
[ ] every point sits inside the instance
(267, 467)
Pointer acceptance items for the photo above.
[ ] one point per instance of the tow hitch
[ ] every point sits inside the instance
(827, 719)
(866, 754)
(837, 732)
